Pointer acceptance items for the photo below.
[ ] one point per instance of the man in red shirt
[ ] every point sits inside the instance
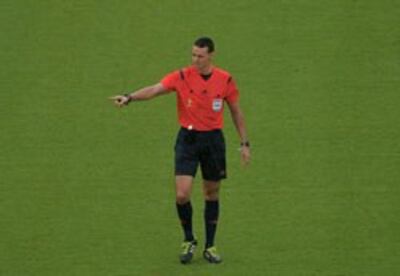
(201, 90)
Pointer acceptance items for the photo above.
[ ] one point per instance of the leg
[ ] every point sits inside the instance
(211, 211)
(211, 190)
(183, 186)
(213, 167)
(186, 163)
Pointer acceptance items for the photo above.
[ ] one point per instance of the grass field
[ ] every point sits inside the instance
(88, 189)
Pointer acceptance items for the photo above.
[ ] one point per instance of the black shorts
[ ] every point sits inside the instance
(206, 148)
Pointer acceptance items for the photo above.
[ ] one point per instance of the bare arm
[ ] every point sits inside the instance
(142, 94)
(238, 120)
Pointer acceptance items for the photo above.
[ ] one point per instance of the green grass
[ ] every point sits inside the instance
(88, 189)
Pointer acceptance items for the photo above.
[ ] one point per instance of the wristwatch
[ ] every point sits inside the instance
(245, 144)
(129, 98)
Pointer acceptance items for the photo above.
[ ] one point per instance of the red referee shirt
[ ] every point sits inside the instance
(200, 102)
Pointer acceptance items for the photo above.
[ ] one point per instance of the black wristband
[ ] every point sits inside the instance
(245, 144)
(129, 98)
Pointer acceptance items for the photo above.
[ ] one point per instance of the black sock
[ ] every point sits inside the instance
(185, 216)
(211, 212)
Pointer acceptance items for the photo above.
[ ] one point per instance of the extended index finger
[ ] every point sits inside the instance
(113, 98)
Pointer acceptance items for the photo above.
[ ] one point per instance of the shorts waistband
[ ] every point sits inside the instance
(201, 131)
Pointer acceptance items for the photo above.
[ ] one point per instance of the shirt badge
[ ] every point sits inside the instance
(217, 105)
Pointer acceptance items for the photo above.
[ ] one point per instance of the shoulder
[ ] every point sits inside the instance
(182, 73)
(223, 74)
(170, 80)
(174, 77)
(221, 71)
(187, 71)
(177, 74)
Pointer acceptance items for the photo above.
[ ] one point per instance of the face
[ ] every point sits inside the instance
(201, 58)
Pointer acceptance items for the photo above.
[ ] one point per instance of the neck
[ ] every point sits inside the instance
(206, 70)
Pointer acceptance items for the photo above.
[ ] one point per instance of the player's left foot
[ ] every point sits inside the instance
(211, 255)
(187, 251)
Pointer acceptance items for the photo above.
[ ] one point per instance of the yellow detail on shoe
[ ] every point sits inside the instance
(212, 251)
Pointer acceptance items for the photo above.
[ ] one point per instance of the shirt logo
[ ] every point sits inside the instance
(217, 105)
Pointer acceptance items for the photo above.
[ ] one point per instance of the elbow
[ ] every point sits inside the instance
(237, 115)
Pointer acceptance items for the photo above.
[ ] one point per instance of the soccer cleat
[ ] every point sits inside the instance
(187, 251)
(211, 255)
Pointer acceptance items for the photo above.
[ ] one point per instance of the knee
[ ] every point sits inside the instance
(211, 194)
(182, 197)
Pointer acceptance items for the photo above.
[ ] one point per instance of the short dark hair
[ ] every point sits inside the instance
(205, 42)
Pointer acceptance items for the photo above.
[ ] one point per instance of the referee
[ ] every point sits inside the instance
(201, 90)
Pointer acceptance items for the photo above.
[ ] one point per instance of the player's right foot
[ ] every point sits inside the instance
(187, 251)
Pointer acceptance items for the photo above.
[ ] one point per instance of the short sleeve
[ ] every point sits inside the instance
(170, 81)
(232, 94)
